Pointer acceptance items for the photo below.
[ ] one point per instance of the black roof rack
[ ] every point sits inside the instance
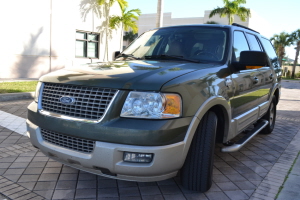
(238, 25)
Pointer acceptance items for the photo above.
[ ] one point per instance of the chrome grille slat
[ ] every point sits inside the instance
(91, 102)
(69, 142)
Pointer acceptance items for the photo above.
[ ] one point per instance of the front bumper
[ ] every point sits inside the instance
(107, 158)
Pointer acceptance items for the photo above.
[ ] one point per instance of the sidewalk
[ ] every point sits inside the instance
(291, 187)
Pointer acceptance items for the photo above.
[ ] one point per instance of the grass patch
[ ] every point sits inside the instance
(287, 176)
(13, 87)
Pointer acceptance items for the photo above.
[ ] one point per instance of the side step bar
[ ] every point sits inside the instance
(239, 144)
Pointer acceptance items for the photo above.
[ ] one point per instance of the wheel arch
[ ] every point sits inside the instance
(277, 95)
(222, 108)
(275, 91)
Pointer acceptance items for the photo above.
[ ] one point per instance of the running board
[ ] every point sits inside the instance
(239, 144)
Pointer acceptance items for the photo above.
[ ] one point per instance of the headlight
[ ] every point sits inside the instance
(151, 105)
(37, 92)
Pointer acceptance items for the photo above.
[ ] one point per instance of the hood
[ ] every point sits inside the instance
(131, 75)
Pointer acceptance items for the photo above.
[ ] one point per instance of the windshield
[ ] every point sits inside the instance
(190, 43)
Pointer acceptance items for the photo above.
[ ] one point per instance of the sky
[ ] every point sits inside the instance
(279, 15)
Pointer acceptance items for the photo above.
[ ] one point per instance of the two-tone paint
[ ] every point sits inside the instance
(238, 98)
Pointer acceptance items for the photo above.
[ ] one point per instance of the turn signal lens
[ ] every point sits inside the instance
(172, 105)
(253, 67)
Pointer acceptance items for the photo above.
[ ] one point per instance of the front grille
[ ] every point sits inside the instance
(90, 102)
(69, 142)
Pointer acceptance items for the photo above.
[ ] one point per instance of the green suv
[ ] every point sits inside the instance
(161, 106)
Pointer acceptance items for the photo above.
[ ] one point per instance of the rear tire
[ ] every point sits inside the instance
(270, 116)
(196, 173)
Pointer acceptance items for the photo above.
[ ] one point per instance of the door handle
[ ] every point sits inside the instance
(271, 76)
(228, 83)
(255, 80)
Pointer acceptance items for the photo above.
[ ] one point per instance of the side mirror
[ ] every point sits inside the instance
(116, 53)
(251, 60)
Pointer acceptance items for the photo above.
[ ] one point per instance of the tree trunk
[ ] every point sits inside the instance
(160, 14)
(281, 54)
(296, 59)
(121, 39)
(231, 19)
(106, 28)
(280, 60)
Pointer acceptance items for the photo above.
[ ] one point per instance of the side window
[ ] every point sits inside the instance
(270, 51)
(253, 42)
(240, 44)
(269, 48)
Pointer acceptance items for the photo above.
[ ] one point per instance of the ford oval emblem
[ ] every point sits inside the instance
(67, 100)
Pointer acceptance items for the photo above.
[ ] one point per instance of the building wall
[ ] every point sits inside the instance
(287, 68)
(148, 21)
(38, 36)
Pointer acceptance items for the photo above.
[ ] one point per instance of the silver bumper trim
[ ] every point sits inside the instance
(167, 159)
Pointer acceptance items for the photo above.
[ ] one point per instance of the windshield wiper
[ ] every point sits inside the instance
(128, 56)
(173, 56)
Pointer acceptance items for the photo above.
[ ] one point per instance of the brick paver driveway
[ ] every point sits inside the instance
(255, 172)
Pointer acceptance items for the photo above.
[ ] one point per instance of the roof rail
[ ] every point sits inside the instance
(238, 25)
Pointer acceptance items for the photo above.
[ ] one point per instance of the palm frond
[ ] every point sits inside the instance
(280, 41)
(127, 19)
(240, 1)
(101, 2)
(218, 11)
(88, 6)
(123, 4)
(230, 9)
(243, 13)
(296, 35)
(114, 22)
(130, 36)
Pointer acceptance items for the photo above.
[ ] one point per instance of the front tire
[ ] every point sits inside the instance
(270, 116)
(196, 173)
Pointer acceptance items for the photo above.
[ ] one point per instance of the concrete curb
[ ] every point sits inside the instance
(16, 96)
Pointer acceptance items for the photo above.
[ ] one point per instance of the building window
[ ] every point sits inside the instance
(87, 44)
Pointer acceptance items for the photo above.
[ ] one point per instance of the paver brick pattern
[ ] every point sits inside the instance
(26, 173)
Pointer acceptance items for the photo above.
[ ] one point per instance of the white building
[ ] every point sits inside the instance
(40, 36)
(148, 21)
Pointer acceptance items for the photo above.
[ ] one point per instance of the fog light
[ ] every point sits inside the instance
(138, 157)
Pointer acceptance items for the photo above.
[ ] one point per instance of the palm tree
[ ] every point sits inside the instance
(107, 4)
(127, 21)
(280, 42)
(296, 37)
(101, 8)
(230, 9)
(130, 36)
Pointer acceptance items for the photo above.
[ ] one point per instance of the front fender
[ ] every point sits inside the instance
(213, 102)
